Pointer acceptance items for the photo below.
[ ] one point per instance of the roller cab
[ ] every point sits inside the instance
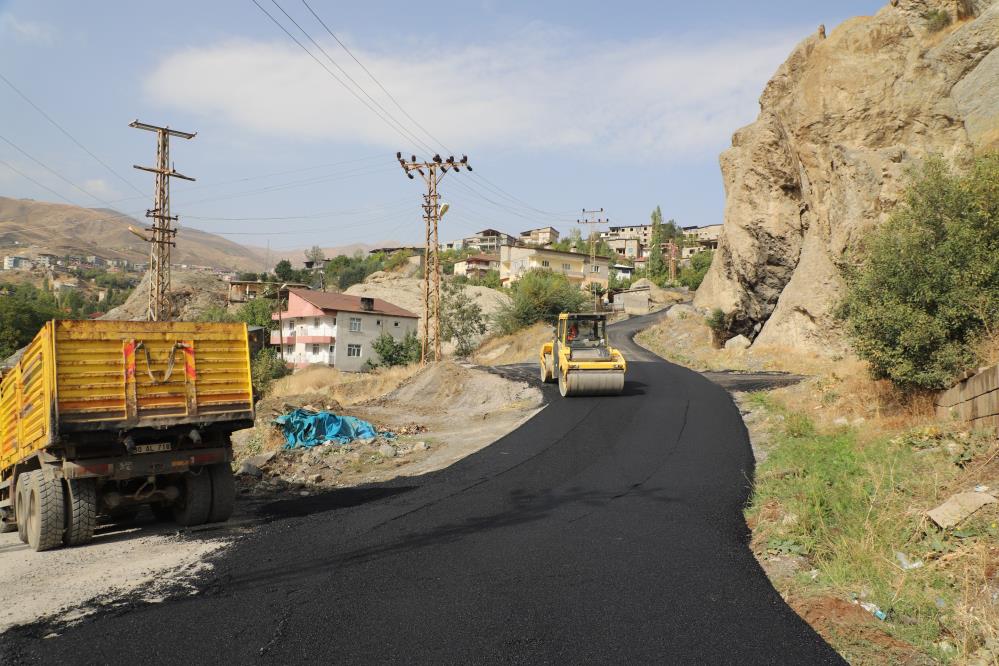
(580, 359)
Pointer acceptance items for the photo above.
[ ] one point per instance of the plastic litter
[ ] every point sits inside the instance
(304, 429)
(905, 562)
(981, 488)
(874, 610)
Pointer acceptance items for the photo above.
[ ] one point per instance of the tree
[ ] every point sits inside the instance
(23, 312)
(393, 352)
(285, 272)
(539, 295)
(656, 266)
(692, 276)
(461, 319)
(927, 291)
(257, 313)
(316, 255)
(265, 367)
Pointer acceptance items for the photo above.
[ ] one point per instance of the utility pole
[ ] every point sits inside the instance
(671, 248)
(432, 171)
(591, 220)
(162, 231)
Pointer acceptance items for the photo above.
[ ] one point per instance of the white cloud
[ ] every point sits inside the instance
(99, 187)
(545, 88)
(27, 31)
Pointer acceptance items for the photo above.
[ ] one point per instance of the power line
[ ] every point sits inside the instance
(53, 171)
(400, 132)
(26, 176)
(70, 136)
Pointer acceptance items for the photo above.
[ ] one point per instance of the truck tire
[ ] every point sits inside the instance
(46, 512)
(81, 511)
(21, 506)
(195, 500)
(223, 492)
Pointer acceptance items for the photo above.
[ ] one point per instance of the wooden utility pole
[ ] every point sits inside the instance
(162, 233)
(591, 220)
(671, 248)
(432, 171)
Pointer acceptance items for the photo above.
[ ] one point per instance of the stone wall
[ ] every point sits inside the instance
(974, 400)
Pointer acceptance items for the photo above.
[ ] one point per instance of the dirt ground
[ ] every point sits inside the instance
(441, 414)
(438, 415)
(141, 556)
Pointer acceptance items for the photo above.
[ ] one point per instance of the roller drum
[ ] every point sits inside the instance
(591, 382)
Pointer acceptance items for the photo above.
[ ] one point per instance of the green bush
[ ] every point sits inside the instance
(396, 352)
(539, 295)
(265, 367)
(717, 321)
(461, 319)
(929, 289)
(692, 276)
(937, 20)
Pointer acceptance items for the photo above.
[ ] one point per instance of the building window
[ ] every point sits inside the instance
(545, 263)
(289, 350)
(378, 322)
(396, 324)
(354, 351)
(334, 321)
(594, 269)
(315, 322)
(315, 350)
(566, 267)
(355, 325)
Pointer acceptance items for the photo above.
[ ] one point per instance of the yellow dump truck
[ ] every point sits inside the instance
(101, 417)
(580, 359)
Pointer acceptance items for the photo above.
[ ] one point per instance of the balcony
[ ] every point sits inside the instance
(294, 338)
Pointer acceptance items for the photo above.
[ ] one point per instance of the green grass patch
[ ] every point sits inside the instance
(848, 506)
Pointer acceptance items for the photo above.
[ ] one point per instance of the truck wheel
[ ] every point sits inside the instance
(195, 500)
(81, 511)
(223, 492)
(21, 506)
(46, 512)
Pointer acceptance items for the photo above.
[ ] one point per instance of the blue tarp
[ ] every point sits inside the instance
(305, 429)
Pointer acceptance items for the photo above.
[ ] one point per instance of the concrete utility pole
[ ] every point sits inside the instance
(591, 221)
(432, 171)
(162, 232)
(671, 248)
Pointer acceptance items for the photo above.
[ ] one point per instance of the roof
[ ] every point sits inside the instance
(480, 257)
(325, 300)
(526, 233)
(584, 255)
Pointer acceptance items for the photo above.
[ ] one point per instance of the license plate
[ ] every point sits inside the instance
(152, 448)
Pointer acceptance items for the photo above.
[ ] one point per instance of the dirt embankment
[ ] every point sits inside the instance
(191, 293)
(436, 416)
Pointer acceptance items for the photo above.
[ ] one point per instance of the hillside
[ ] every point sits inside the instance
(63, 229)
(840, 123)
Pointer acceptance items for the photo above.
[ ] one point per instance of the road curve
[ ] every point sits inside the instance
(604, 530)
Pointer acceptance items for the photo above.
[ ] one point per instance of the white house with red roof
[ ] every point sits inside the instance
(337, 329)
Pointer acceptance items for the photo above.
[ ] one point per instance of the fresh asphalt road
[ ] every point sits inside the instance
(604, 530)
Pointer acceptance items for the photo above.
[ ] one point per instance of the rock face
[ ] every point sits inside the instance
(840, 122)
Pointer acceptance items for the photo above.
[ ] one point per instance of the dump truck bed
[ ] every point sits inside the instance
(92, 376)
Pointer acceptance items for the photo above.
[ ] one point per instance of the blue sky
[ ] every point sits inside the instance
(559, 106)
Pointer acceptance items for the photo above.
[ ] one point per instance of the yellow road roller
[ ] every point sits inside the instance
(580, 359)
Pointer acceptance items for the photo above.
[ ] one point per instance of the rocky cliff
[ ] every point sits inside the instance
(839, 124)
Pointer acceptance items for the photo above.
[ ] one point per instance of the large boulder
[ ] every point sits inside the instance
(839, 124)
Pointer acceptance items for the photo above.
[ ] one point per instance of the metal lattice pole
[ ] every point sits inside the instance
(162, 233)
(432, 171)
(591, 221)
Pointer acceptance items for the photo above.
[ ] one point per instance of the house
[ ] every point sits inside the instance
(337, 329)
(47, 260)
(631, 248)
(542, 236)
(241, 291)
(707, 236)
(477, 266)
(15, 263)
(576, 266)
(488, 241)
(96, 261)
(624, 271)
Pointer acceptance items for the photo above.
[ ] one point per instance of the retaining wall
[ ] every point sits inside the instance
(974, 400)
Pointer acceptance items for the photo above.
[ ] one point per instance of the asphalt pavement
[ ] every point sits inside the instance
(604, 530)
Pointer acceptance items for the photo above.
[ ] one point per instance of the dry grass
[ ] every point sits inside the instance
(521, 347)
(347, 388)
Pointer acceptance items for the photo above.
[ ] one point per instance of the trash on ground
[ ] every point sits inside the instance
(304, 428)
(958, 507)
(874, 610)
(905, 562)
(981, 488)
